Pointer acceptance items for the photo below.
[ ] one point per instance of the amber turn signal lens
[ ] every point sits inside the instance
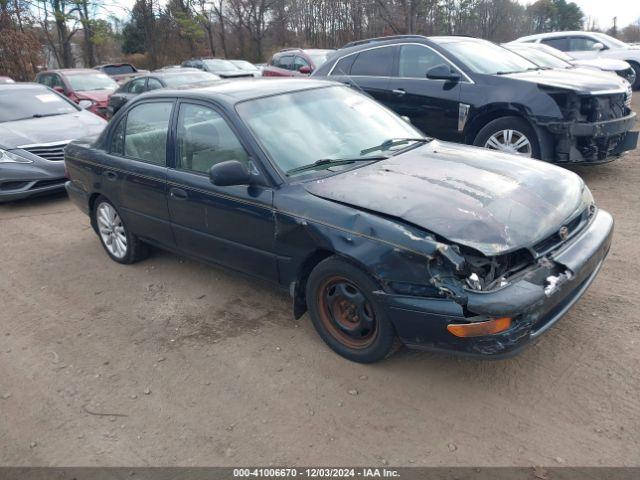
(478, 329)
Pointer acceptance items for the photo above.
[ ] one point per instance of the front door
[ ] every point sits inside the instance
(232, 226)
(432, 105)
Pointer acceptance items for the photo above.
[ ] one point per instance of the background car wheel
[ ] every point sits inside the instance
(344, 312)
(636, 68)
(509, 135)
(120, 244)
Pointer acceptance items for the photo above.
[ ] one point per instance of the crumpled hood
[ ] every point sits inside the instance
(49, 129)
(610, 64)
(98, 96)
(569, 79)
(489, 201)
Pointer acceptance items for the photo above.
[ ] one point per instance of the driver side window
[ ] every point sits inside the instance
(205, 139)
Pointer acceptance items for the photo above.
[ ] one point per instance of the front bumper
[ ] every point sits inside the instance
(595, 142)
(19, 181)
(422, 322)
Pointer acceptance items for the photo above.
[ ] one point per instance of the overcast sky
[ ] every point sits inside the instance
(627, 11)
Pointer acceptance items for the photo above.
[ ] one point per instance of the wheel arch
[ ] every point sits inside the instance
(298, 287)
(489, 115)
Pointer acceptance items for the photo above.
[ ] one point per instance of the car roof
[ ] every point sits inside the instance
(71, 71)
(22, 86)
(235, 91)
(556, 34)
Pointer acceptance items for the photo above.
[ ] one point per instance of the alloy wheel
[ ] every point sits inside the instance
(111, 230)
(510, 141)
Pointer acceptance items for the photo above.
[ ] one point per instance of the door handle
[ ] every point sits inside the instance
(178, 193)
(399, 91)
(113, 176)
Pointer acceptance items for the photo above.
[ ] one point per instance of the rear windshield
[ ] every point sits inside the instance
(220, 65)
(25, 103)
(186, 78)
(118, 69)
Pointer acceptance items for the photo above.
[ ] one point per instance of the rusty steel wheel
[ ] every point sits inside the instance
(346, 313)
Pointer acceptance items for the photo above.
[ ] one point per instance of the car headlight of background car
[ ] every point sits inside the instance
(9, 157)
(85, 103)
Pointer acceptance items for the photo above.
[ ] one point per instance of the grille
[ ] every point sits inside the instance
(605, 107)
(554, 241)
(51, 151)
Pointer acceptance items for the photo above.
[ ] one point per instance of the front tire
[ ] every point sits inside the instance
(119, 243)
(344, 312)
(509, 135)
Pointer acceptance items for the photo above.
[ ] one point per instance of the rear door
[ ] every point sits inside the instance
(432, 105)
(232, 225)
(368, 71)
(139, 161)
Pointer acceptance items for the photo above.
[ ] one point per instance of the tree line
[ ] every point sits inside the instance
(162, 32)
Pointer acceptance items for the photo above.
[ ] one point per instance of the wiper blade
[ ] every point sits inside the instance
(394, 142)
(42, 115)
(335, 161)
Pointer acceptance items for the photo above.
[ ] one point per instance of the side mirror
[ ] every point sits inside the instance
(442, 72)
(231, 172)
(405, 118)
(59, 89)
(597, 46)
(306, 70)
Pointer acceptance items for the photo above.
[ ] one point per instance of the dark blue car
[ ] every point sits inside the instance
(386, 237)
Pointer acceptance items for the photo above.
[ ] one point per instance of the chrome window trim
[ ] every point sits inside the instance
(465, 77)
(50, 144)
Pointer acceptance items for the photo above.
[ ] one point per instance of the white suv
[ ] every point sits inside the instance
(590, 45)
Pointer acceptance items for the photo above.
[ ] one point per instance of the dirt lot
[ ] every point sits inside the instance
(203, 367)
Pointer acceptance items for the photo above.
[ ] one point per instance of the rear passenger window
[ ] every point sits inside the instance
(557, 43)
(145, 136)
(374, 63)
(205, 139)
(416, 60)
(343, 67)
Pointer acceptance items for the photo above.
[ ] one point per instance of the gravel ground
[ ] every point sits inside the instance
(169, 362)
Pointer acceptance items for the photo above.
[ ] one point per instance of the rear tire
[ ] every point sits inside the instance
(509, 135)
(345, 314)
(116, 239)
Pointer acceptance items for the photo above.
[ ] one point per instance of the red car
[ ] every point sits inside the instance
(295, 62)
(86, 87)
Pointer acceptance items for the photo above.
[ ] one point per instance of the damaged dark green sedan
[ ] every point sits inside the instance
(384, 236)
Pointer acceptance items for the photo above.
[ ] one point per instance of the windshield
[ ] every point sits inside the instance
(118, 69)
(488, 58)
(23, 103)
(219, 65)
(318, 58)
(300, 128)
(85, 82)
(185, 78)
(540, 58)
(244, 65)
